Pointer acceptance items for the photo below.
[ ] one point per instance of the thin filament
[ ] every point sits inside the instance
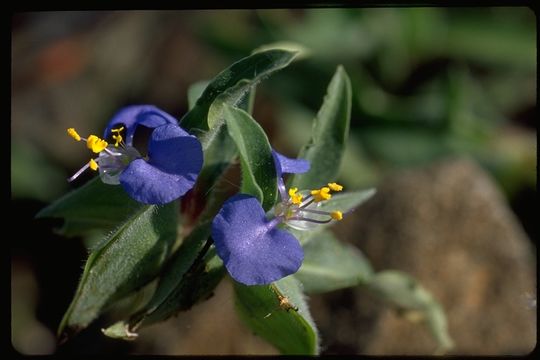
(299, 218)
(81, 170)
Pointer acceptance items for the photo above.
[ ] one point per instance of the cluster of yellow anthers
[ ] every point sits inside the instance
(301, 205)
(97, 145)
(117, 137)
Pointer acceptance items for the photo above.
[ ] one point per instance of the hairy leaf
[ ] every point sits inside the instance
(330, 265)
(176, 290)
(258, 169)
(94, 205)
(131, 256)
(231, 85)
(195, 91)
(329, 135)
(279, 314)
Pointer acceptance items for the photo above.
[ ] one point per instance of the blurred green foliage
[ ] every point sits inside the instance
(427, 82)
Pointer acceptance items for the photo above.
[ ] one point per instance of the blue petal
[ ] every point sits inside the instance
(285, 165)
(175, 160)
(253, 249)
(131, 116)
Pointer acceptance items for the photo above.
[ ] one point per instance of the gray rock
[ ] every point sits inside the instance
(450, 227)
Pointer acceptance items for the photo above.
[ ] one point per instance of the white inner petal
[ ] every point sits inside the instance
(111, 166)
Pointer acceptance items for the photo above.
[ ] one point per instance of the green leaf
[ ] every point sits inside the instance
(346, 201)
(130, 257)
(303, 52)
(236, 86)
(405, 292)
(330, 131)
(179, 264)
(258, 170)
(218, 155)
(288, 326)
(330, 265)
(190, 276)
(197, 285)
(195, 91)
(94, 205)
(232, 84)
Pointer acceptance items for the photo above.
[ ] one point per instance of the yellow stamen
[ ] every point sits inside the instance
(96, 144)
(336, 215)
(321, 194)
(71, 132)
(335, 187)
(295, 198)
(93, 164)
(118, 139)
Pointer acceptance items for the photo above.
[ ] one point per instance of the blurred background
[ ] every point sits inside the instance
(443, 125)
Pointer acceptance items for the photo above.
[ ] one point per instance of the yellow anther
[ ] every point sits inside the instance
(321, 194)
(295, 198)
(118, 139)
(93, 164)
(336, 215)
(71, 132)
(96, 144)
(335, 187)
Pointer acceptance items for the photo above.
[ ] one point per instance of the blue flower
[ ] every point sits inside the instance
(132, 116)
(170, 168)
(253, 248)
